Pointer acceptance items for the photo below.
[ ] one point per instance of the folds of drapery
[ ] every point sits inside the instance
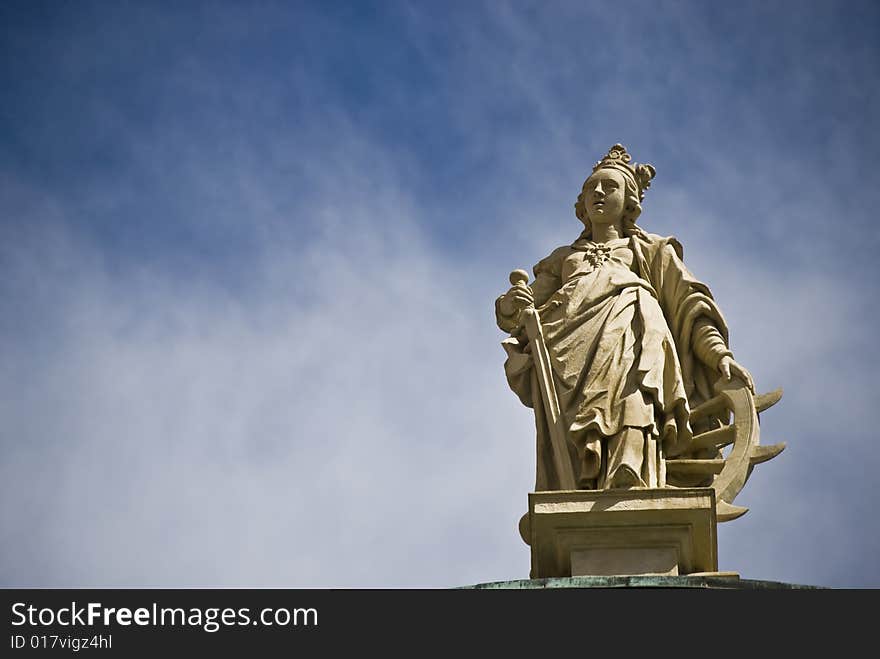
(624, 359)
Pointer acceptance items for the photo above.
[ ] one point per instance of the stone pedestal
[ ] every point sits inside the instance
(622, 532)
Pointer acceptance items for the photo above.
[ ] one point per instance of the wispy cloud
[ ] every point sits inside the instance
(247, 333)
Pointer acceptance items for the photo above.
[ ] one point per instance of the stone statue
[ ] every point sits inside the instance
(623, 354)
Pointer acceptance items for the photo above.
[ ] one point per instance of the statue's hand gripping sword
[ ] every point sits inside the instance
(531, 322)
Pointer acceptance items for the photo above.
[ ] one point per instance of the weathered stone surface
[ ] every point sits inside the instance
(622, 532)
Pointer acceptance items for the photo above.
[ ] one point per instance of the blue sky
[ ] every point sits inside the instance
(249, 254)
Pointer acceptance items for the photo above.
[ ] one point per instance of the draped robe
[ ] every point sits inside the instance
(619, 321)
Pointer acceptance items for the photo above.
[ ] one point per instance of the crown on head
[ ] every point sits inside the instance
(619, 159)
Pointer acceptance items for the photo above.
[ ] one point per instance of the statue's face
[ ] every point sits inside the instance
(605, 196)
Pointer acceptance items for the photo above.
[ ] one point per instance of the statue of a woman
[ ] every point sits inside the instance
(635, 341)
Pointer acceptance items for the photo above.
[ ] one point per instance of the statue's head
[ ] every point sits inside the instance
(615, 188)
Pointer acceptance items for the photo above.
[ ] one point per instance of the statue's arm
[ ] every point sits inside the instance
(547, 281)
(710, 346)
(712, 350)
(691, 310)
(708, 343)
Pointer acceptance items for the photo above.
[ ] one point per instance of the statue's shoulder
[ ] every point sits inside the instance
(552, 263)
(654, 244)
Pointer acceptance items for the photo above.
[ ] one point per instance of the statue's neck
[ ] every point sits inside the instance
(603, 233)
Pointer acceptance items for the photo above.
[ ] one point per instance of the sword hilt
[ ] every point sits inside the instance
(519, 278)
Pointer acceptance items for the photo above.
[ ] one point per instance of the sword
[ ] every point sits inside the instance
(531, 322)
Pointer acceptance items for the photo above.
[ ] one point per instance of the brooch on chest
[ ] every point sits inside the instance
(596, 254)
